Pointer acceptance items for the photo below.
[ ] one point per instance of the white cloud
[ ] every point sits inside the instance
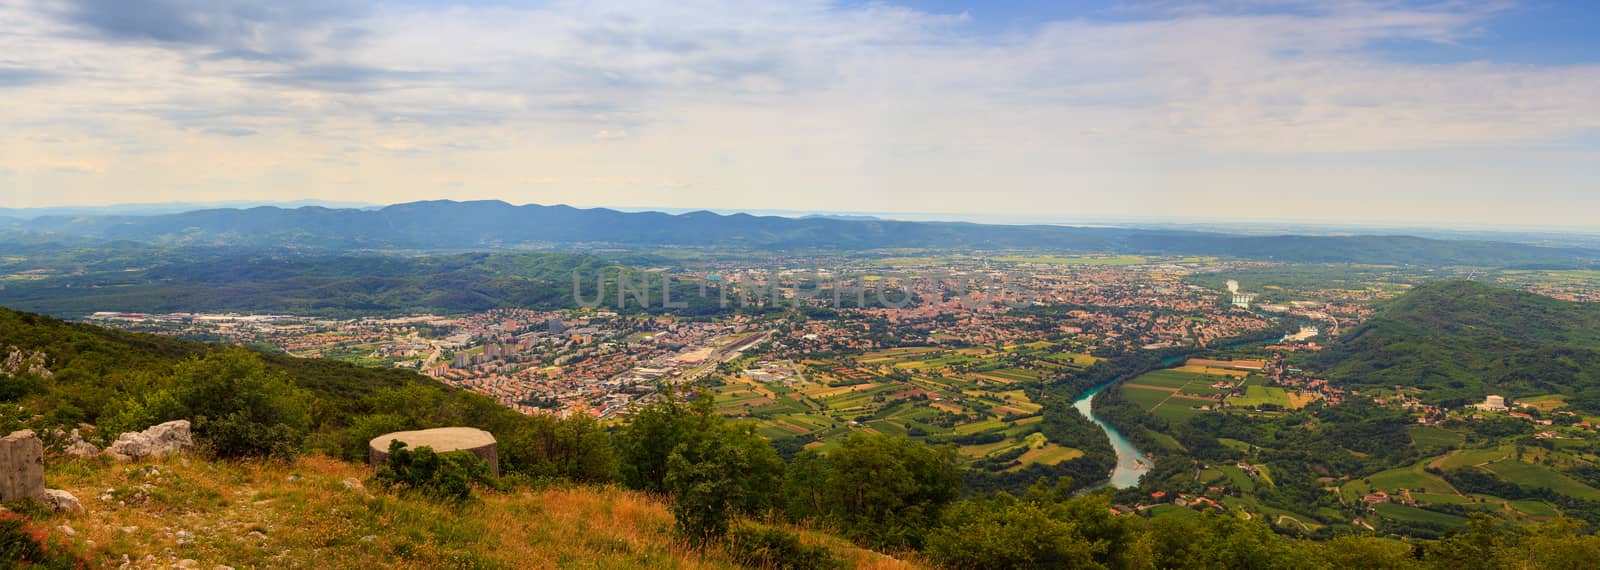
(772, 104)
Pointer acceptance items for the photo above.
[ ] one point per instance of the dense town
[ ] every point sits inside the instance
(600, 361)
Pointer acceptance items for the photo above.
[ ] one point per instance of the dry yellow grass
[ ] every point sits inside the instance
(1213, 370)
(828, 391)
(1299, 400)
(302, 515)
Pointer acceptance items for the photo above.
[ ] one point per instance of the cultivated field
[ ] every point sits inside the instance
(977, 398)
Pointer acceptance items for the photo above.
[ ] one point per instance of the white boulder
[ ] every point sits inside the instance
(77, 447)
(158, 441)
(62, 501)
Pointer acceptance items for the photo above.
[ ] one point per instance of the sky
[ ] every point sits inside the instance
(1438, 112)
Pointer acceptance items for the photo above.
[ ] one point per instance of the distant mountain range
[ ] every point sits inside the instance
(153, 209)
(448, 225)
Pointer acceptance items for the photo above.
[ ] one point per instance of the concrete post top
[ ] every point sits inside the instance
(440, 439)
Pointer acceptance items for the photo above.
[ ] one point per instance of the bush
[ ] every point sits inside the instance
(239, 407)
(883, 491)
(20, 386)
(364, 428)
(1005, 533)
(768, 547)
(444, 476)
(730, 469)
(651, 435)
(24, 543)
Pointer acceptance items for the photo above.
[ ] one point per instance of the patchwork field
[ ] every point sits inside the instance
(1257, 396)
(978, 398)
(1178, 393)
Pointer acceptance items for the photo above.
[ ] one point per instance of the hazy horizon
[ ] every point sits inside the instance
(1453, 115)
(1205, 224)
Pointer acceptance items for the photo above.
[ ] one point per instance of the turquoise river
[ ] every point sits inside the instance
(1131, 463)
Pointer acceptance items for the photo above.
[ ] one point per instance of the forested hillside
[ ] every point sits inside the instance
(1462, 340)
(330, 285)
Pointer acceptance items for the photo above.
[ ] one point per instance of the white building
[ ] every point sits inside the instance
(1493, 404)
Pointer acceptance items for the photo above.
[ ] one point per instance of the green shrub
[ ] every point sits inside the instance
(768, 547)
(367, 427)
(444, 476)
(20, 386)
(239, 407)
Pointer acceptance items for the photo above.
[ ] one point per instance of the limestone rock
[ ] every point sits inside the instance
(157, 441)
(17, 361)
(21, 466)
(77, 447)
(477, 441)
(62, 501)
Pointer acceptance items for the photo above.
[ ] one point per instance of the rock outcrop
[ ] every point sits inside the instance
(21, 466)
(158, 441)
(77, 447)
(61, 501)
(441, 440)
(17, 361)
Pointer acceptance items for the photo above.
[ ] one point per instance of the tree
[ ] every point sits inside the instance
(1007, 533)
(238, 407)
(888, 491)
(575, 448)
(1367, 552)
(646, 441)
(728, 470)
(805, 486)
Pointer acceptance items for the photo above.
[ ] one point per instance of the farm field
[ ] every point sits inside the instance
(1433, 437)
(1413, 514)
(1392, 481)
(1547, 403)
(1257, 396)
(1177, 393)
(977, 398)
(1471, 457)
(1534, 476)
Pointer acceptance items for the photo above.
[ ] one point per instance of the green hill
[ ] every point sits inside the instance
(1462, 340)
(118, 381)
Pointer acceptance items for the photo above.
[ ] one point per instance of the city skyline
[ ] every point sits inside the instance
(1354, 112)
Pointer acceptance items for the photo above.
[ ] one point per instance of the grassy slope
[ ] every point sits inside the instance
(309, 519)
